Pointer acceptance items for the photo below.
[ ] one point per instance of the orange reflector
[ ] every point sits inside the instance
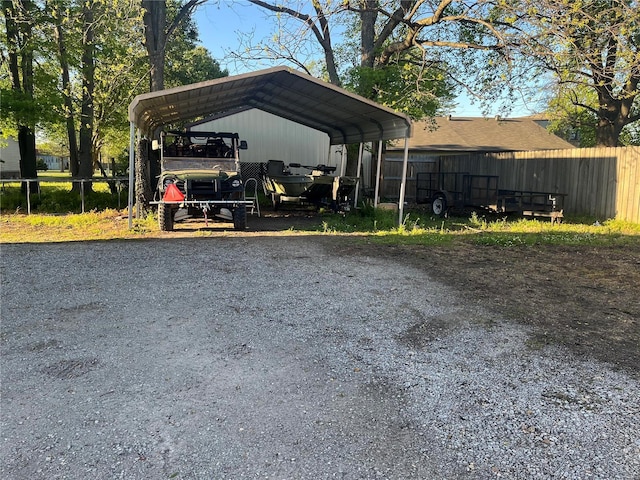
(172, 194)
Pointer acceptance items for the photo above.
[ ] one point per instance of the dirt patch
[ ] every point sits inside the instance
(584, 298)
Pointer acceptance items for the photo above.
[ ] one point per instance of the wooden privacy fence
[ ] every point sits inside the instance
(600, 182)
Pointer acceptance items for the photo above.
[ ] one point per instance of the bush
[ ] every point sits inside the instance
(58, 199)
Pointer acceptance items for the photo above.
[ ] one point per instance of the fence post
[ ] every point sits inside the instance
(82, 193)
(28, 196)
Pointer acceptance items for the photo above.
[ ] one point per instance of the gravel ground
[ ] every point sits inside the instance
(269, 357)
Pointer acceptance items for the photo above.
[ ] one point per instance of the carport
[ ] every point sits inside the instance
(345, 117)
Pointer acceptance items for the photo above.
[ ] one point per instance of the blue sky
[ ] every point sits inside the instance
(220, 24)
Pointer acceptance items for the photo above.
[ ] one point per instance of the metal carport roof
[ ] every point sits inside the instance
(345, 117)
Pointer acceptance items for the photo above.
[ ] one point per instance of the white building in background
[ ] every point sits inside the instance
(270, 137)
(9, 158)
(54, 162)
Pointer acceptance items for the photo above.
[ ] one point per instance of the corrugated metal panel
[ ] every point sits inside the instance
(10, 156)
(271, 137)
(345, 117)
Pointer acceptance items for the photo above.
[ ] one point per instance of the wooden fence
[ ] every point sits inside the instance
(600, 182)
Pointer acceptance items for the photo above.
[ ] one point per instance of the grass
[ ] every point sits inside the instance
(380, 226)
(55, 196)
(420, 228)
(105, 225)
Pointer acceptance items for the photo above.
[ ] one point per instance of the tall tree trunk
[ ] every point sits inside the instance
(18, 22)
(27, 145)
(368, 17)
(608, 132)
(88, 83)
(155, 34)
(74, 162)
(142, 177)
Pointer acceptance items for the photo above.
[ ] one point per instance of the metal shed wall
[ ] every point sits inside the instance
(271, 137)
(10, 156)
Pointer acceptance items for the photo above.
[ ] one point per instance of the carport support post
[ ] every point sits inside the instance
(377, 191)
(355, 195)
(132, 136)
(403, 184)
(343, 161)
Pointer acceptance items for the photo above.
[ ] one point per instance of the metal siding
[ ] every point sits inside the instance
(10, 156)
(270, 137)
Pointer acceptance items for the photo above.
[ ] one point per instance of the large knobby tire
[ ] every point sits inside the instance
(439, 205)
(240, 217)
(165, 217)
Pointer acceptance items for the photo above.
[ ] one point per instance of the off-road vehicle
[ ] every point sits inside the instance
(200, 177)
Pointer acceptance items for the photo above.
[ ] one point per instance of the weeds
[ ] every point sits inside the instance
(380, 226)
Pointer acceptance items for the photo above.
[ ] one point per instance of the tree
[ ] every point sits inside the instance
(159, 27)
(592, 44)
(19, 16)
(93, 72)
(407, 35)
(87, 109)
(66, 93)
(158, 30)
(571, 122)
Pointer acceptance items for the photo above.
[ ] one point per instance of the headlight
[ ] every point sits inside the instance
(235, 183)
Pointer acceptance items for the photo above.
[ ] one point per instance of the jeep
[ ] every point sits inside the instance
(200, 177)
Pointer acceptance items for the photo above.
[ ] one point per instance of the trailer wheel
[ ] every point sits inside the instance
(439, 205)
(240, 217)
(165, 217)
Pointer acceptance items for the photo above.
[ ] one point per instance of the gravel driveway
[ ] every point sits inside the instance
(269, 357)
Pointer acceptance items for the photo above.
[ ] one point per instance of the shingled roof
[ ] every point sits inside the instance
(467, 134)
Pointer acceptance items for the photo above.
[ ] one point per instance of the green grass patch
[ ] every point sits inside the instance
(104, 225)
(419, 228)
(58, 197)
(379, 226)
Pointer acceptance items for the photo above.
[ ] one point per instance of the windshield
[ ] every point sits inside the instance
(191, 146)
(191, 164)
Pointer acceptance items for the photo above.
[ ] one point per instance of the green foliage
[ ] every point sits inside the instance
(59, 199)
(194, 65)
(592, 50)
(121, 69)
(569, 119)
(404, 85)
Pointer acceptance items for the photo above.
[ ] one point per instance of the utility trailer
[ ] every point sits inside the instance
(447, 191)
(200, 177)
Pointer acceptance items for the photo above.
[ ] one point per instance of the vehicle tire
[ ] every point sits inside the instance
(439, 205)
(165, 217)
(240, 217)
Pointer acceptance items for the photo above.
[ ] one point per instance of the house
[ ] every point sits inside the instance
(53, 162)
(9, 158)
(453, 136)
